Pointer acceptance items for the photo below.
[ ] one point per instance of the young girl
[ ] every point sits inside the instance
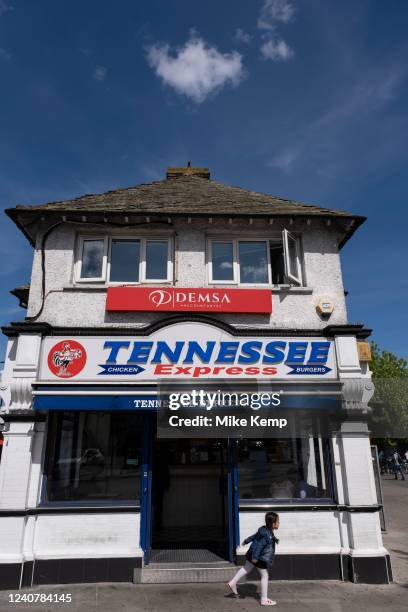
(260, 555)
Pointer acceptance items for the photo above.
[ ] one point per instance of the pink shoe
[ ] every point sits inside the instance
(268, 602)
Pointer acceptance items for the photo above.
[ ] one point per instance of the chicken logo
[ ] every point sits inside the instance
(67, 359)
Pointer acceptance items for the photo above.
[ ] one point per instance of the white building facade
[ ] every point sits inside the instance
(187, 281)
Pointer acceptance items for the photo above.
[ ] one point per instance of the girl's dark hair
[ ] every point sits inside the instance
(270, 520)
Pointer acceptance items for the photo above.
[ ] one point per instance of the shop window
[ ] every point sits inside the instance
(256, 262)
(294, 469)
(124, 260)
(93, 456)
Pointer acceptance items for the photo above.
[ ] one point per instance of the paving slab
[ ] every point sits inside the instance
(310, 596)
(396, 519)
(307, 596)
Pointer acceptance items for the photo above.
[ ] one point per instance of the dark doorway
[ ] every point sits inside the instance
(189, 495)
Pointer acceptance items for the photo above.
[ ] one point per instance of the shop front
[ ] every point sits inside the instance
(182, 489)
(190, 490)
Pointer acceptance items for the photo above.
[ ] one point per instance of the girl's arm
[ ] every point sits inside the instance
(257, 548)
(250, 538)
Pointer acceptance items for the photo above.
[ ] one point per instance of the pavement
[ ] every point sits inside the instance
(305, 596)
(308, 596)
(395, 539)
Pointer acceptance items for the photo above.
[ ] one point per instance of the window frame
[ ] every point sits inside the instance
(328, 471)
(297, 280)
(143, 260)
(286, 236)
(235, 264)
(49, 450)
(78, 261)
(107, 259)
(109, 262)
(268, 262)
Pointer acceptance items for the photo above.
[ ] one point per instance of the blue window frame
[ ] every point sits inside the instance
(290, 470)
(93, 457)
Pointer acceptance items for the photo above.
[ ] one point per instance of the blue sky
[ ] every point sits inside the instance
(303, 99)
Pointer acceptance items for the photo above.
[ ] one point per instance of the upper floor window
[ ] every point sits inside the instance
(124, 260)
(291, 254)
(124, 264)
(93, 259)
(255, 262)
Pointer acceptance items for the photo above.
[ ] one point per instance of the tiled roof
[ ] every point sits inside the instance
(188, 194)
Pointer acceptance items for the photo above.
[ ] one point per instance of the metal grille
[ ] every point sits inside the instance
(190, 555)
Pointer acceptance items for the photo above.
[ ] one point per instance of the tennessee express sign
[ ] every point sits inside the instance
(190, 299)
(185, 351)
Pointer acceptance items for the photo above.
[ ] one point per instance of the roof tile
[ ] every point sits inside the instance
(186, 194)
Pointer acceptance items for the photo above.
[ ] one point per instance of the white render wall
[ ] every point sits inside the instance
(84, 304)
(74, 536)
(299, 532)
(86, 536)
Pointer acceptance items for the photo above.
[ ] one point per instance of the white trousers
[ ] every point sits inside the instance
(245, 570)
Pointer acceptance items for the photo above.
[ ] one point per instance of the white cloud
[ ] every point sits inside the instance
(150, 172)
(226, 265)
(196, 70)
(5, 7)
(284, 161)
(276, 50)
(275, 11)
(358, 135)
(85, 51)
(242, 36)
(4, 55)
(99, 73)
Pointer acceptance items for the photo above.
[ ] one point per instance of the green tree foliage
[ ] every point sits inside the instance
(387, 365)
(389, 404)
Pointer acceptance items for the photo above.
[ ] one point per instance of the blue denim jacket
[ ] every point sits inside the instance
(262, 545)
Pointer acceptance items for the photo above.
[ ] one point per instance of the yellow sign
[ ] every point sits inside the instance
(364, 351)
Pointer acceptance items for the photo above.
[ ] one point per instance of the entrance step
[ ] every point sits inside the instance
(184, 555)
(177, 573)
(181, 566)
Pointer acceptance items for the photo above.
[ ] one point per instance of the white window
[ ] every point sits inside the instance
(223, 261)
(239, 261)
(91, 261)
(156, 261)
(255, 262)
(293, 268)
(253, 259)
(124, 260)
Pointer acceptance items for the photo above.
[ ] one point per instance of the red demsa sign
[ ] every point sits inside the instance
(189, 299)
